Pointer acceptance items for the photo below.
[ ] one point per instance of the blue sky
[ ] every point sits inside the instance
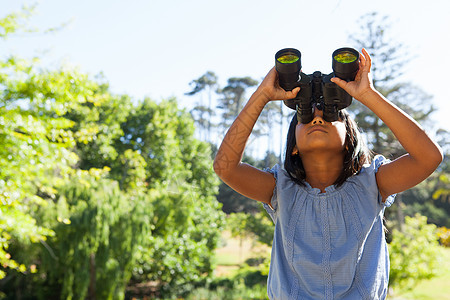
(155, 48)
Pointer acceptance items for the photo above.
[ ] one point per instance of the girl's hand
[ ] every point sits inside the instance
(363, 81)
(272, 90)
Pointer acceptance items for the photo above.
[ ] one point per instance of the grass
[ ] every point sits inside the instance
(435, 288)
(236, 251)
(232, 255)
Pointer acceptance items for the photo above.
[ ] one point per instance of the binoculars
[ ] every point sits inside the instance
(316, 89)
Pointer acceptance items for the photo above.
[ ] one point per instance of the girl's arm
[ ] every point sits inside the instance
(423, 154)
(243, 178)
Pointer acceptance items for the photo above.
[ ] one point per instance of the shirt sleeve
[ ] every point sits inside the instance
(272, 208)
(368, 179)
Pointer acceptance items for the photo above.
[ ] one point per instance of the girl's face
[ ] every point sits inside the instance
(320, 135)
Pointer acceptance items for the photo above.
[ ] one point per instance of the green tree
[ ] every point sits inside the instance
(271, 116)
(232, 201)
(388, 60)
(88, 178)
(41, 142)
(36, 138)
(233, 98)
(430, 198)
(441, 192)
(187, 218)
(98, 230)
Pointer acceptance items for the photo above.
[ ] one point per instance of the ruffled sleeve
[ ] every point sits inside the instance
(367, 178)
(283, 194)
(272, 208)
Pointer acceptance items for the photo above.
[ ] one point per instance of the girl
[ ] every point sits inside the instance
(328, 201)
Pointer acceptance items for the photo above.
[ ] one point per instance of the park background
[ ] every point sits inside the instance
(111, 112)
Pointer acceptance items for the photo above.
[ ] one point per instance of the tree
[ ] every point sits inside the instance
(233, 98)
(153, 156)
(92, 186)
(232, 201)
(97, 235)
(430, 198)
(203, 114)
(442, 191)
(187, 218)
(272, 114)
(35, 156)
(388, 59)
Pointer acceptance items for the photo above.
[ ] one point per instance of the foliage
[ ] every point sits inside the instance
(203, 114)
(414, 252)
(237, 223)
(258, 225)
(262, 226)
(232, 98)
(96, 238)
(250, 275)
(35, 157)
(441, 190)
(434, 288)
(187, 218)
(236, 291)
(15, 21)
(389, 58)
(247, 283)
(444, 191)
(444, 236)
(185, 234)
(96, 190)
(234, 202)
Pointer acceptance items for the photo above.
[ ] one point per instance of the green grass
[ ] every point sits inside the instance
(227, 259)
(435, 288)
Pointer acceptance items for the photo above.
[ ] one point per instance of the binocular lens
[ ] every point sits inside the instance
(288, 58)
(345, 57)
(288, 64)
(345, 63)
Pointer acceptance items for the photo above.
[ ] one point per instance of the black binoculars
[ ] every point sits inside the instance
(316, 89)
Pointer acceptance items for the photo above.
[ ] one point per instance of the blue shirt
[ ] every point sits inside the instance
(329, 245)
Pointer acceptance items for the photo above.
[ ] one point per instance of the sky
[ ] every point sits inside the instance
(156, 48)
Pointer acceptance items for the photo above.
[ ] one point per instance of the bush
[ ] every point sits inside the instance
(444, 236)
(414, 252)
(240, 292)
(237, 287)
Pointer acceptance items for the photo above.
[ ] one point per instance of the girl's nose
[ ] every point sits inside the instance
(318, 117)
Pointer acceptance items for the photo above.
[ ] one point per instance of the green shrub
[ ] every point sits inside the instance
(444, 236)
(414, 252)
(237, 290)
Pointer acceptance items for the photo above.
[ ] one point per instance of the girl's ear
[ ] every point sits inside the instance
(295, 150)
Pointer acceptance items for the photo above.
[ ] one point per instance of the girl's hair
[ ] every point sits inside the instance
(356, 152)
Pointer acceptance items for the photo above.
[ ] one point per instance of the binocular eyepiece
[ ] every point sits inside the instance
(316, 89)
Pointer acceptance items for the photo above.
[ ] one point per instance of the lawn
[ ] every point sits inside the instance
(235, 252)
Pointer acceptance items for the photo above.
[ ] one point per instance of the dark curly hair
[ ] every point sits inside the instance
(356, 155)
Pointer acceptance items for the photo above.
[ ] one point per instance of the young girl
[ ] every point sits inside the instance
(328, 201)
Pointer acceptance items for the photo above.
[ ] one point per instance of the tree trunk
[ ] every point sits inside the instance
(91, 291)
